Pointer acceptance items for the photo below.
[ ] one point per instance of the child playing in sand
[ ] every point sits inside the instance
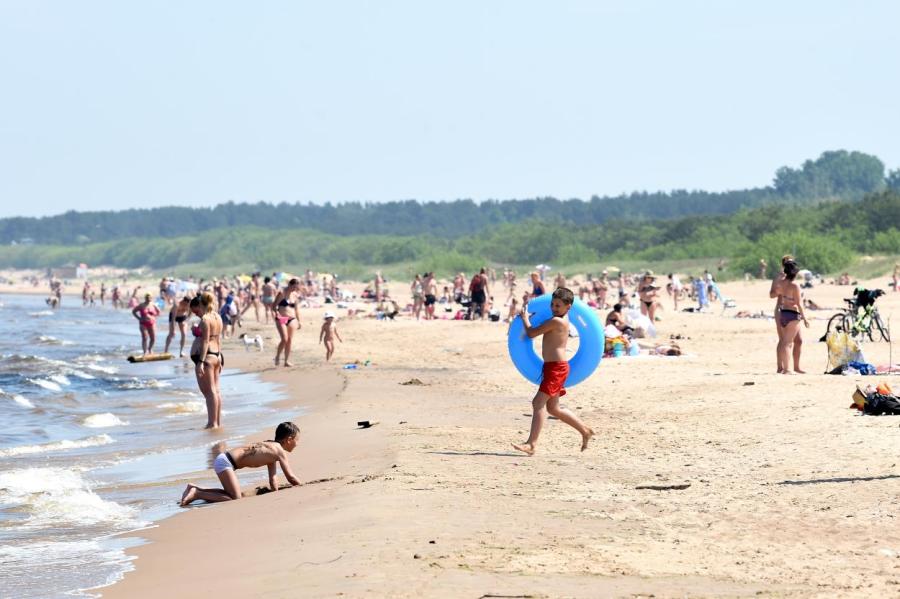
(556, 370)
(327, 334)
(256, 455)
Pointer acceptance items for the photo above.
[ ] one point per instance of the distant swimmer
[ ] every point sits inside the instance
(178, 316)
(555, 332)
(146, 313)
(256, 455)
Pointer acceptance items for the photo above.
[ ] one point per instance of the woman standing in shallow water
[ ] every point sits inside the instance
(206, 354)
(178, 314)
(146, 313)
(287, 319)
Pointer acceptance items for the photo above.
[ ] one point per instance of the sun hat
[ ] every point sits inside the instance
(328, 315)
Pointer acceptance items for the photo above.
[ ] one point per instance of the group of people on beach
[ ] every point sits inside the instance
(220, 304)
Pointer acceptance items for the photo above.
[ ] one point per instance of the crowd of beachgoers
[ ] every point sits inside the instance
(202, 313)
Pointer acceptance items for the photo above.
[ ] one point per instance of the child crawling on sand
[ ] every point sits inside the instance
(256, 455)
(556, 369)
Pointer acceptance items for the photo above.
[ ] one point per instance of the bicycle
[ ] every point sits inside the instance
(857, 324)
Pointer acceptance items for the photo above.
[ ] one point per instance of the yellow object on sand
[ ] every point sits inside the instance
(150, 358)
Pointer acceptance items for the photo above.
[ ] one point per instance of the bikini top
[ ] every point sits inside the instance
(197, 330)
(284, 303)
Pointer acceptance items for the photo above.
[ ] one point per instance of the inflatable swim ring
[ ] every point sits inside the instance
(590, 341)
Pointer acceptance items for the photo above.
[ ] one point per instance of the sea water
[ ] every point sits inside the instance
(92, 446)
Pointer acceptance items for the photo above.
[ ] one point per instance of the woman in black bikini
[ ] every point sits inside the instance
(790, 314)
(286, 319)
(647, 291)
(178, 316)
(206, 354)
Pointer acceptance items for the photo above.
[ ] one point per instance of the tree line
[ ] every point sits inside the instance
(834, 175)
(825, 237)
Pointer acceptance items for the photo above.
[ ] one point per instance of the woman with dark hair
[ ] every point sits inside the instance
(269, 289)
(775, 293)
(790, 314)
(287, 319)
(206, 354)
(178, 316)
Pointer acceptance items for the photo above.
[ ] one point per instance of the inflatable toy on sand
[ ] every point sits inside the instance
(149, 358)
(590, 341)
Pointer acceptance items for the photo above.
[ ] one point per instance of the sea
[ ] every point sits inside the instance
(92, 446)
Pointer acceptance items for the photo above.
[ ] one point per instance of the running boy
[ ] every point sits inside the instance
(556, 370)
(327, 334)
(256, 455)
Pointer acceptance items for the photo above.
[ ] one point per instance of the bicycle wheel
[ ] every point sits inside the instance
(879, 324)
(848, 323)
(835, 323)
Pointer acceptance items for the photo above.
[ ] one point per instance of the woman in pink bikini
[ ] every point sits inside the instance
(146, 313)
(287, 319)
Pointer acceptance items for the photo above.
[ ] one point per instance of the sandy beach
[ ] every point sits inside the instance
(790, 492)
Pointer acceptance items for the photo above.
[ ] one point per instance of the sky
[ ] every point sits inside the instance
(114, 105)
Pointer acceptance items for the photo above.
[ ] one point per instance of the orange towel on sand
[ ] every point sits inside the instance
(554, 377)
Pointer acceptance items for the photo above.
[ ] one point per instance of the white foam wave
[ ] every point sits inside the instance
(144, 384)
(104, 369)
(183, 407)
(22, 401)
(48, 385)
(61, 379)
(82, 375)
(54, 496)
(104, 420)
(51, 340)
(42, 313)
(63, 445)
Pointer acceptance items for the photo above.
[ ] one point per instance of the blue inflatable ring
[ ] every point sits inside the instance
(590, 341)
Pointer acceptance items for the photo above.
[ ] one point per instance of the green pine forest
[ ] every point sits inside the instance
(828, 212)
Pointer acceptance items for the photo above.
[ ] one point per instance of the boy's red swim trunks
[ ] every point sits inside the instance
(554, 377)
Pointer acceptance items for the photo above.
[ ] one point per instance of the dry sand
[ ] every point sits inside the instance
(791, 493)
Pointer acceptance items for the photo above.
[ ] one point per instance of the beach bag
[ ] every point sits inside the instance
(879, 404)
(841, 351)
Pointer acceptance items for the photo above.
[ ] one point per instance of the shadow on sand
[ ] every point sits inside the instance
(841, 479)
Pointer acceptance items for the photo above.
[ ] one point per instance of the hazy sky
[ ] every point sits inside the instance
(116, 104)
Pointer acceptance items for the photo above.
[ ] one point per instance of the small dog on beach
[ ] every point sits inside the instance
(251, 341)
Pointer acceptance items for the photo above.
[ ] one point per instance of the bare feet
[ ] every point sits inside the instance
(190, 492)
(787, 372)
(277, 360)
(288, 364)
(798, 371)
(586, 438)
(526, 448)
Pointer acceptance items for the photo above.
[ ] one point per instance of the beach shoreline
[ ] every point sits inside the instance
(434, 502)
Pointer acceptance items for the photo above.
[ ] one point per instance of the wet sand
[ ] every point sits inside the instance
(791, 493)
